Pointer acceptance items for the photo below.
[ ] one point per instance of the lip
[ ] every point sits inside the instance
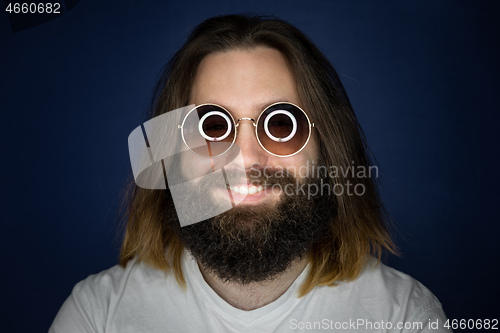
(244, 194)
(248, 193)
(246, 189)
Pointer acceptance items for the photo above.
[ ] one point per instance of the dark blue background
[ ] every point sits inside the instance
(422, 76)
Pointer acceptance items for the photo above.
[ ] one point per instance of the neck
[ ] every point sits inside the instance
(256, 294)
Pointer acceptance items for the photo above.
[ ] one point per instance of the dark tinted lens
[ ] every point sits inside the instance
(280, 125)
(215, 126)
(283, 129)
(208, 130)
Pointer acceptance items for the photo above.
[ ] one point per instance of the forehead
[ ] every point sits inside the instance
(244, 80)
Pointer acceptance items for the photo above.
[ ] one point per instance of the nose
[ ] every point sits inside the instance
(250, 148)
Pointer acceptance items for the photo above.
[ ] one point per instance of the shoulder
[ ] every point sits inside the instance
(396, 286)
(115, 280)
(380, 297)
(100, 283)
(396, 296)
(102, 286)
(94, 299)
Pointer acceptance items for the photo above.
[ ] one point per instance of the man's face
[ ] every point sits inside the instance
(245, 82)
(270, 228)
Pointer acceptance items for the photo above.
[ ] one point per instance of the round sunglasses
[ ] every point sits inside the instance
(282, 129)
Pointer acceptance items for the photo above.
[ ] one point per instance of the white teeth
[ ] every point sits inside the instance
(252, 189)
(246, 190)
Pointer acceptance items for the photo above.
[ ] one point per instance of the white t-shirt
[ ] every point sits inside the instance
(139, 298)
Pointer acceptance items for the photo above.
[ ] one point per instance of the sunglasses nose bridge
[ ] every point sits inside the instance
(245, 118)
(249, 144)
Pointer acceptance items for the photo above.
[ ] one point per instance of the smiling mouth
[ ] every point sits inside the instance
(245, 189)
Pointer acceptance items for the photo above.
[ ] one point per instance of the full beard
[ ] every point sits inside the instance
(257, 243)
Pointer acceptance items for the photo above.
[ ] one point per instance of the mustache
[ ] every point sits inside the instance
(226, 177)
(205, 198)
(266, 177)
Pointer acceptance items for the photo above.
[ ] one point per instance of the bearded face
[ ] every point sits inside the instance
(274, 223)
(252, 243)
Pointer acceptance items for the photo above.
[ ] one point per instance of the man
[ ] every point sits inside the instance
(296, 249)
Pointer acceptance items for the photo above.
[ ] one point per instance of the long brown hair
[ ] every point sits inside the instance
(360, 228)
